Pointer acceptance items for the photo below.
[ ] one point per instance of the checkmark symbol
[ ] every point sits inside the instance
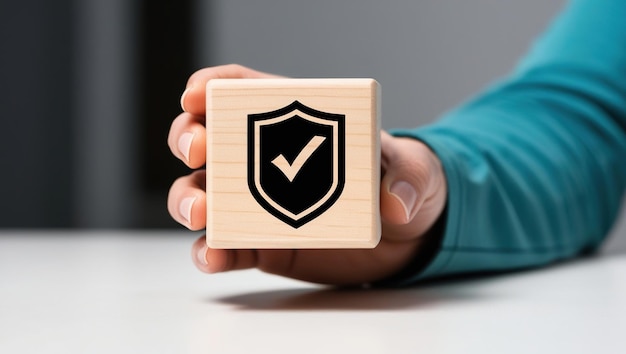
(290, 170)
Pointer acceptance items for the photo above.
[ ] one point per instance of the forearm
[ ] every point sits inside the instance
(536, 166)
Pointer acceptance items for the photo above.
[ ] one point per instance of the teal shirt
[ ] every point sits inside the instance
(536, 166)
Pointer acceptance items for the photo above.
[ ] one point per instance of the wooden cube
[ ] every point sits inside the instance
(293, 163)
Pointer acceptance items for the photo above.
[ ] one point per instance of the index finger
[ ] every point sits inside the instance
(193, 99)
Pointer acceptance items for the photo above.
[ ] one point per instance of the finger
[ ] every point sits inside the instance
(186, 201)
(187, 139)
(211, 260)
(404, 182)
(193, 100)
(412, 189)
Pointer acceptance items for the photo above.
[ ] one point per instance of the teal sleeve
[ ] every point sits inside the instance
(536, 166)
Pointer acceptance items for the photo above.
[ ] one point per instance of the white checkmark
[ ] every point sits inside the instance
(291, 170)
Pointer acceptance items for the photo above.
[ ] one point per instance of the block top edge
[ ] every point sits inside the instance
(291, 83)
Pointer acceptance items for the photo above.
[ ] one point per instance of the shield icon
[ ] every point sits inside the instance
(296, 161)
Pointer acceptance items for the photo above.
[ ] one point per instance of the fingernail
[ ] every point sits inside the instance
(406, 194)
(184, 144)
(182, 97)
(202, 256)
(185, 208)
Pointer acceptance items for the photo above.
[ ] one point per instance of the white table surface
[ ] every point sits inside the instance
(117, 292)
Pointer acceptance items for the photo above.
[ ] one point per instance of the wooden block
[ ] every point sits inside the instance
(293, 163)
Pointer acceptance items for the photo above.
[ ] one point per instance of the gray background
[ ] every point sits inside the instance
(68, 92)
(427, 55)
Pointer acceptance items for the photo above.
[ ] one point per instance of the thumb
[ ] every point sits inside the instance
(412, 193)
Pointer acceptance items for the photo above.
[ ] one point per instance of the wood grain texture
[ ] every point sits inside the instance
(235, 218)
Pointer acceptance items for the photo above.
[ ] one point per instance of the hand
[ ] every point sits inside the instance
(412, 197)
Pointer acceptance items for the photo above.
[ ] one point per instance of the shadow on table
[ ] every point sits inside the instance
(350, 299)
(449, 291)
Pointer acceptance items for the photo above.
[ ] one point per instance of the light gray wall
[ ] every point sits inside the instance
(428, 55)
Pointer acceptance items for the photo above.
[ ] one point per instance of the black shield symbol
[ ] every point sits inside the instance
(296, 161)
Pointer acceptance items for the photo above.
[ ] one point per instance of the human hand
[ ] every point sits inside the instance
(412, 198)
